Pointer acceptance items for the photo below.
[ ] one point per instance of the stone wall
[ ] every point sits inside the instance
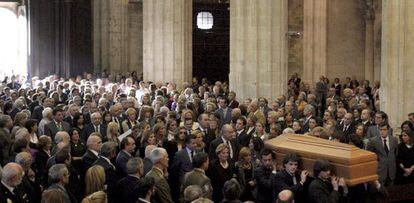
(346, 39)
(295, 43)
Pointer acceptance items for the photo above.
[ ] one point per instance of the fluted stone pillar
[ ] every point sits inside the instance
(314, 39)
(369, 41)
(397, 60)
(117, 36)
(258, 48)
(167, 40)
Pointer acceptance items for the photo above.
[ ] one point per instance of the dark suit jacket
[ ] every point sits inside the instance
(224, 120)
(182, 164)
(216, 142)
(18, 196)
(51, 128)
(209, 136)
(147, 165)
(373, 131)
(121, 161)
(345, 138)
(322, 192)
(283, 181)
(125, 189)
(233, 104)
(5, 143)
(265, 185)
(111, 178)
(162, 189)
(41, 170)
(90, 128)
(88, 159)
(386, 162)
(243, 139)
(37, 113)
(69, 120)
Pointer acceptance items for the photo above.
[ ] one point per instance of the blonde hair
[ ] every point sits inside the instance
(95, 179)
(245, 151)
(130, 111)
(96, 197)
(221, 147)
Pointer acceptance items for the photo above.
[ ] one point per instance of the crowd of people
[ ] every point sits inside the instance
(119, 139)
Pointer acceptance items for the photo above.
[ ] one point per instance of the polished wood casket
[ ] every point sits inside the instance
(354, 164)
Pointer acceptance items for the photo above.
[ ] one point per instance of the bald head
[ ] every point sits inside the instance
(12, 174)
(285, 196)
(94, 142)
(227, 131)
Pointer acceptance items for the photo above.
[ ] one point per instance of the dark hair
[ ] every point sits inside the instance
(62, 155)
(143, 186)
(125, 142)
(265, 152)
(29, 124)
(410, 125)
(243, 120)
(189, 137)
(383, 115)
(321, 165)
(410, 135)
(199, 159)
(293, 157)
(74, 129)
(258, 143)
(56, 110)
(384, 125)
(19, 145)
(76, 117)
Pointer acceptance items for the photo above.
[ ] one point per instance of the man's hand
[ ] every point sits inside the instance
(303, 175)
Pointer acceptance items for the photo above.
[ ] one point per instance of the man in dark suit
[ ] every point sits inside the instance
(203, 121)
(127, 148)
(366, 118)
(265, 176)
(227, 136)
(242, 137)
(290, 178)
(347, 128)
(385, 146)
(144, 190)
(308, 112)
(198, 175)
(59, 178)
(72, 110)
(374, 130)
(108, 152)
(94, 145)
(184, 158)
(322, 190)
(95, 126)
(159, 158)
(126, 186)
(147, 161)
(37, 112)
(224, 111)
(116, 113)
(57, 124)
(233, 103)
(263, 106)
(6, 123)
(9, 185)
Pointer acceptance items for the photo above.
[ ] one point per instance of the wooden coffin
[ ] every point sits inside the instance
(354, 164)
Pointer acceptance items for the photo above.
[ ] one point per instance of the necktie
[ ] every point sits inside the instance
(230, 149)
(345, 127)
(96, 128)
(59, 126)
(294, 180)
(385, 146)
(192, 155)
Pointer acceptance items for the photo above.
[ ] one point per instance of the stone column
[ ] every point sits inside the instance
(117, 36)
(369, 42)
(314, 40)
(396, 95)
(167, 40)
(258, 48)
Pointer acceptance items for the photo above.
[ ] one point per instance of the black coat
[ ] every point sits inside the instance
(265, 185)
(90, 128)
(18, 196)
(88, 159)
(125, 189)
(111, 178)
